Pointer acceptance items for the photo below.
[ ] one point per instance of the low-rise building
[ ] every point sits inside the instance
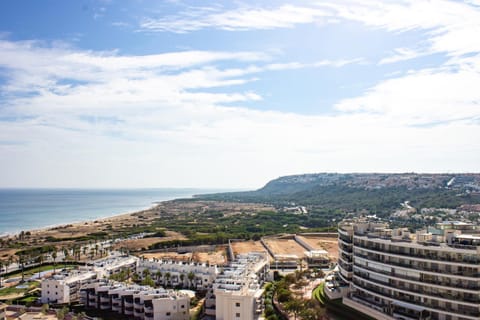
(138, 302)
(178, 273)
(63, 288)
(111, 265)
(237, 291)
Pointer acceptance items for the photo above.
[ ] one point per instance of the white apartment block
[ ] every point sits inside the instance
(111, 265)
(64, 287)
(237, 291)
(394, 274)
(174, 273)
(138, 302)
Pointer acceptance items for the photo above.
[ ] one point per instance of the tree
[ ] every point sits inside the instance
(294, 305)
(40, 261)
(145, 273)
(54, 257)
(190, 277)
(182, 277)
(45, 308)
(1, 271)
(21, 262)
(148, 281)
(167, 276)
(61, 313)
(158, 274)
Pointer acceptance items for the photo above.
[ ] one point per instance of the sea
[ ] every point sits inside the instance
(28, 209)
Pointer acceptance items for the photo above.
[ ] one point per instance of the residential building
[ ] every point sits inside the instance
(179, 273)
(433, 273)
(111, 265)
(237, 291)
(138, 302)
(63, 288)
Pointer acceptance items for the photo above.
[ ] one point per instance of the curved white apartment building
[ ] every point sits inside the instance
(394, 274)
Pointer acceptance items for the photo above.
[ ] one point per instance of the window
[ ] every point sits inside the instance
(182, 306)
(237, 304)
(237, 314)
(168, 313)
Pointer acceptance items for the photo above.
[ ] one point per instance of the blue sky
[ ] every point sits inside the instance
(232, 94)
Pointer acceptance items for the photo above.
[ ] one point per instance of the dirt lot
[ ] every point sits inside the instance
(219, 256)
(329, 244)
(241, 247)
(285, 246)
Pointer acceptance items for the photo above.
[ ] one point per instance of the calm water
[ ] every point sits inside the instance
(24, 209)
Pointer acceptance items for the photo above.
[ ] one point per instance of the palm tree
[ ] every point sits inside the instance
(167, 276)
(190, 277)
(182, 276)
(145, 273)
(54, 257)
(40, 261)
(21, 262)
(9, 262)
(158, 274)
(1, 270)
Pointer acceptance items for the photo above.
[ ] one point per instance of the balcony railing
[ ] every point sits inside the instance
(412, 264)
(449, 285)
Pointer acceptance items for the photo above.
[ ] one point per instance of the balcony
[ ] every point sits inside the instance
(424, 280)
(401, 295)
(380, 257)
(434, 256)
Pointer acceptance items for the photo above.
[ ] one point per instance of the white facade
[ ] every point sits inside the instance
(237, 291)
(433, 274)
(140, 302)
(63, 288)
(111, 265)
(175, 273)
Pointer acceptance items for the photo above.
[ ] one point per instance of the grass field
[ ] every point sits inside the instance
(26, 287)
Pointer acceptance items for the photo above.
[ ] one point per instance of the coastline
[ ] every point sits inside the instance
(83, 222)
(30, 210)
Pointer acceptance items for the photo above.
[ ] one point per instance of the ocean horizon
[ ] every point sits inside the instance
(29, 209)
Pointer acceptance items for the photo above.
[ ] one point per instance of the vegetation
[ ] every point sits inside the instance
(341, 311)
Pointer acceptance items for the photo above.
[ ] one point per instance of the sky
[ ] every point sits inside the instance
(232, 94)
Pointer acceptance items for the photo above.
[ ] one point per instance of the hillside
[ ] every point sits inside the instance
(376, 192)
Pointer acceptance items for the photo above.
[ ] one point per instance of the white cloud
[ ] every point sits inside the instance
(240, 19)
(450, 26)
(402, 54)
(86, 118)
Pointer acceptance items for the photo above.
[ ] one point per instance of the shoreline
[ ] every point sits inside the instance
(83, 222)
(20, 218)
